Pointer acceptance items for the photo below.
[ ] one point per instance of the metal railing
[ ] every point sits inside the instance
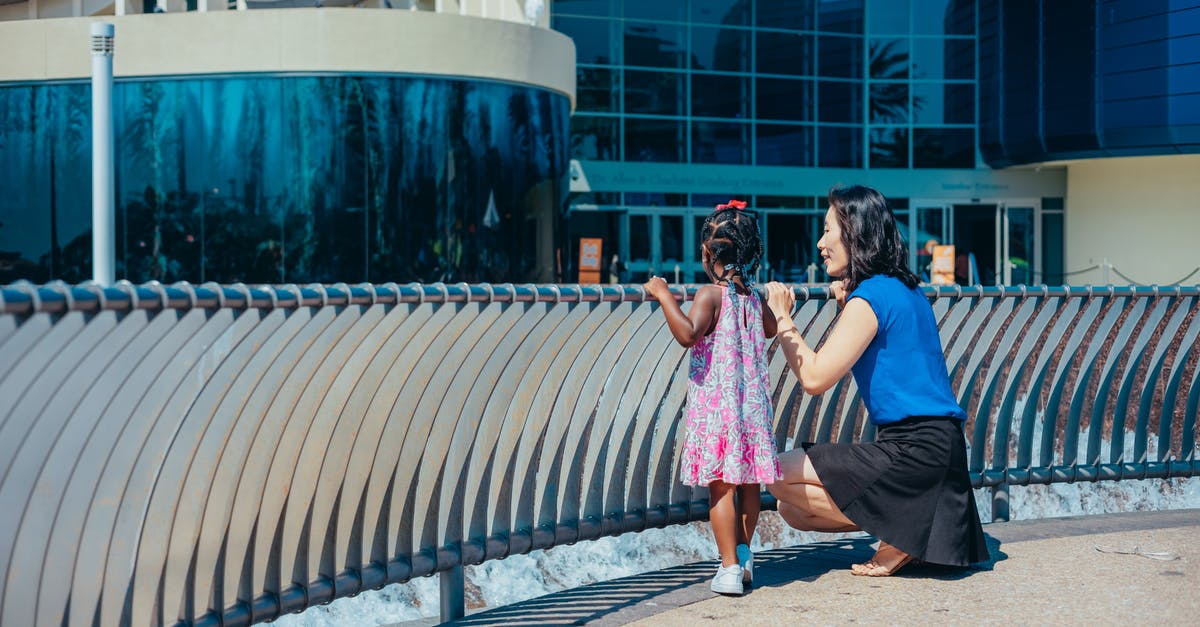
(224, 454)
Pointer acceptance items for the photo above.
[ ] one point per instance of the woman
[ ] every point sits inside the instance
(909, 488)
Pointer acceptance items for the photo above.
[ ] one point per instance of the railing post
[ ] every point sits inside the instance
(453, 595)
(1000, 511)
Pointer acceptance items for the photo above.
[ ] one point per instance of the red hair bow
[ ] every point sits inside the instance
(733, 204)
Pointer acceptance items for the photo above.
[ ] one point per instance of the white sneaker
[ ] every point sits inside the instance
(746, 560)
(728, 580)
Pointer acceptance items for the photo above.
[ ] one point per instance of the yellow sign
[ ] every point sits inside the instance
(589, 259)
(941, 269)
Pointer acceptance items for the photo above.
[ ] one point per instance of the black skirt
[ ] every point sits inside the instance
(909, 488)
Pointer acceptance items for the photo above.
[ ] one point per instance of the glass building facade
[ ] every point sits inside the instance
(289, 179)
(686, 92)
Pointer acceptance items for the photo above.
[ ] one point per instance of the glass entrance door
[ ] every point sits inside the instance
(661, 242)
(995, 243)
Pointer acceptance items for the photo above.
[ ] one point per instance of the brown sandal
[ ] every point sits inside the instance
(875, 569)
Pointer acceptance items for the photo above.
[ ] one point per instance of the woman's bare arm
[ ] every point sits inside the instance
(818, 371)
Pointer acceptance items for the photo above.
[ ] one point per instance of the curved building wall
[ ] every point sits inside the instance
(1075, 80)
(291, 146)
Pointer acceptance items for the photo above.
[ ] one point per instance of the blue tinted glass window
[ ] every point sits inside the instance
(729, 12)
(641, 10)
(1052, 249)
(780, 144)
(793, 14)
(889, 103)
(278, 205)
(960, 103)
(593, 39)
(721, 142)
(655, 140)
(960, 59)
(724, 49)
(660, 93)
(841, 57)
(889, 147)
(596, 89)
(784, 53)
(601, 8)
(645, 199)
(929, 16)
(782, 99)
(594, 138)
(654, 45)
(720, 96)
(840, 146)
(840, 16)
(840, 101)
(943, 148)
(928, 58)
(887, 17)
(889, 59)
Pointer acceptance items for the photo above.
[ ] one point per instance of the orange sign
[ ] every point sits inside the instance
(941, 269)
(589, 259)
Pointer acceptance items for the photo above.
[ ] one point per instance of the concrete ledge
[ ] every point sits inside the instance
(295, 40)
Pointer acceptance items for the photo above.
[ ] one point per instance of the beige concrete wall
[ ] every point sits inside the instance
(296, 40)
(1142, 213)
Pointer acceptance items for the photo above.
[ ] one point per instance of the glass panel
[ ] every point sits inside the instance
(889, 148)
(960, 59)
(597, 90)
(639, 238)
(784, 53)
(931, 56)
(975, 245)
(779, 144)
(840, 16)
(655, 45)
(724, 49)
(960, 103)
(1052, 249)
(943, 148)
(730, 12)
(584, 7)
(889, 59)
(888, 17)
(929, 17)
(889, 103)
(841, 102)
(794, 14)
(929, 234)
(841, 57)
(787, 202)
(653, 199)
(840, 147)
(593, 38)
(1021, 251)
(781, 99)
(671, 238)
(720, 96)
(660, 93)
(791, 246)
(671, 11)
(594, 138)
(316, 180)
(720, 142)
(654, 140)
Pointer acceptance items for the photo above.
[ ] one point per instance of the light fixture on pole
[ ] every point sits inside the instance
(103, 183)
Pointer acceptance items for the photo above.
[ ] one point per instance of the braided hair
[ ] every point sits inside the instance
(731, 236)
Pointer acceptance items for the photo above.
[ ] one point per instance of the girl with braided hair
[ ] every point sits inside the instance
(729, 445)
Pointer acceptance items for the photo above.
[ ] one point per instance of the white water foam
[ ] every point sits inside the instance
(521, 577)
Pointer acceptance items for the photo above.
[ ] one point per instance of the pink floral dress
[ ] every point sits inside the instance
(729, 400)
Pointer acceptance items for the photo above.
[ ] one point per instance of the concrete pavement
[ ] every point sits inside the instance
(1138, 568)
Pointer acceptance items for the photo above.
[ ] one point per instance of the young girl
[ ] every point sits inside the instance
(729, 445)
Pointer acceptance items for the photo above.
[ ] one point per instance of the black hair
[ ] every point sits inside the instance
(870, 235)
(730, 234)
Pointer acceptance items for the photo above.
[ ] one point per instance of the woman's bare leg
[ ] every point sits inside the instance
(803, 500)
(723, 514)
(749, 505)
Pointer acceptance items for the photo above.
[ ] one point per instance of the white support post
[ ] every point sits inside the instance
(103, 175)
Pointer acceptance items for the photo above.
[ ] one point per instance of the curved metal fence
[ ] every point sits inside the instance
(223, 454)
